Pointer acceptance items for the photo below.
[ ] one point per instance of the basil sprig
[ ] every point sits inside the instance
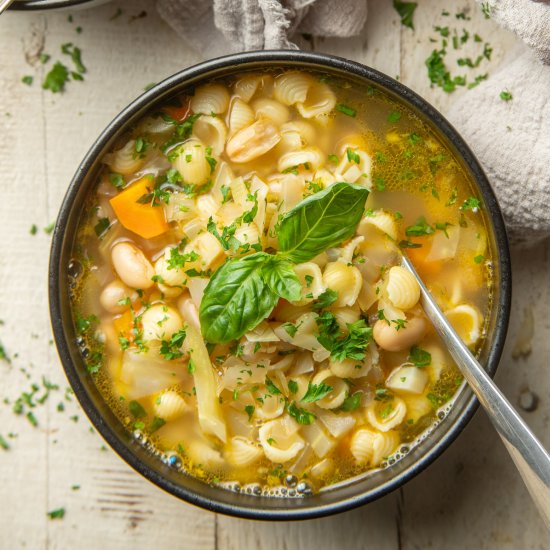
(244, 291)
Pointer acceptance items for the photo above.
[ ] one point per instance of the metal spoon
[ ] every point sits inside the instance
(4, 4)
(530, 457)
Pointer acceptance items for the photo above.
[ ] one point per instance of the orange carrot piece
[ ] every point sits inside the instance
(180, 112)
(124, 324)
(144, 219)
(418, 258)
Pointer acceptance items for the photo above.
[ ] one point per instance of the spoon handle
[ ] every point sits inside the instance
(530, 457)
(4, 4)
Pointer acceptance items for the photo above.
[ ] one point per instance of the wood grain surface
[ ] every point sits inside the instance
(470, 498)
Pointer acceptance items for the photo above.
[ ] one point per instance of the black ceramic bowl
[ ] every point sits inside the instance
(330, 501)
(35, 5)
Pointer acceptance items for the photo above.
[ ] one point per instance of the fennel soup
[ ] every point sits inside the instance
(239, 299)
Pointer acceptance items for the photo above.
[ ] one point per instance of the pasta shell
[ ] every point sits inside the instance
(273, 406)
(311, 157)
(211, 130)
(280, 439)
(252, 142)
(345, 279)
(417, 407)
(191, 162)
(210, 98)
(338, 393)
(169, 405)
(304, 129)
(346, 315)
(311, 279)
(202, 453)
(347, 251)
(169, 291)
(125, 161)
(386, 415)
(370, 447)
(241, 452)
(381, 220)
(467, 321)
(271, 110)
(292, 87)
(362, 445)
(402, 288)
(246, 86)
(160, 322)
(385, 444)
(241, 115)
(323, 178)
(207, 206)
(320, 100)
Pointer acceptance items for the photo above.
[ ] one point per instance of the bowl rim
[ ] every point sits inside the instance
(313, 61)
(38, 5)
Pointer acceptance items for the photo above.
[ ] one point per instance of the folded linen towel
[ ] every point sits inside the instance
(217, 27)
(512, 139)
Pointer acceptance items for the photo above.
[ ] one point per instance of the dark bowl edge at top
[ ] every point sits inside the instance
(58, 302)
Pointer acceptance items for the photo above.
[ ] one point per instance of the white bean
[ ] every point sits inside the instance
(115, 293)
(132, 266)
(160, 322)
(390, 339)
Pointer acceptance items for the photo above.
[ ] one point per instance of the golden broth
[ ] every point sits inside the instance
(276, 428)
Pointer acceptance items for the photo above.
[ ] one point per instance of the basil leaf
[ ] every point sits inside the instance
(280, 277)
(236, 299)
(321, 221)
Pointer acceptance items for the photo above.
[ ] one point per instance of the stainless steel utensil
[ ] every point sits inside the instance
(531, 458)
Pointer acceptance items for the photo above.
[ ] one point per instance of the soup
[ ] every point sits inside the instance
(237, 287)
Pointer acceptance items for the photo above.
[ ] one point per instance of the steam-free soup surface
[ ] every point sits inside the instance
(239, 299)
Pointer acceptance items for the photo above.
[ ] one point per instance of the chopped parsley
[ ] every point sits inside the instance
(28, 80)
(471, 203)
(420, 357)
(302, 416)
(59, 513)
(352, 402)
(353, 156)
(315, 392)
(249, 410)
(171, 349)
(406, 12)
(271, 387)
(505, 95)
(394, 116)
(57, 78)
(293, 386)
(346, 110)
(349, 346)
(419, 229)
(136, 409)
(326, 299)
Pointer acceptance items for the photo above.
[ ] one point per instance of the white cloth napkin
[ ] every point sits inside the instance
(217, 27)
(510, 138)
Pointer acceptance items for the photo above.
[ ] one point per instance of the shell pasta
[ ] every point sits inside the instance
(241, 304)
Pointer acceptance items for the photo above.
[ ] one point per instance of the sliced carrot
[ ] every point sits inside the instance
(124, 324)
(144, 219)
(178, 112)
(418, 257)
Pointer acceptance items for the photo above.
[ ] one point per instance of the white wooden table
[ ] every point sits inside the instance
(470, 498)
